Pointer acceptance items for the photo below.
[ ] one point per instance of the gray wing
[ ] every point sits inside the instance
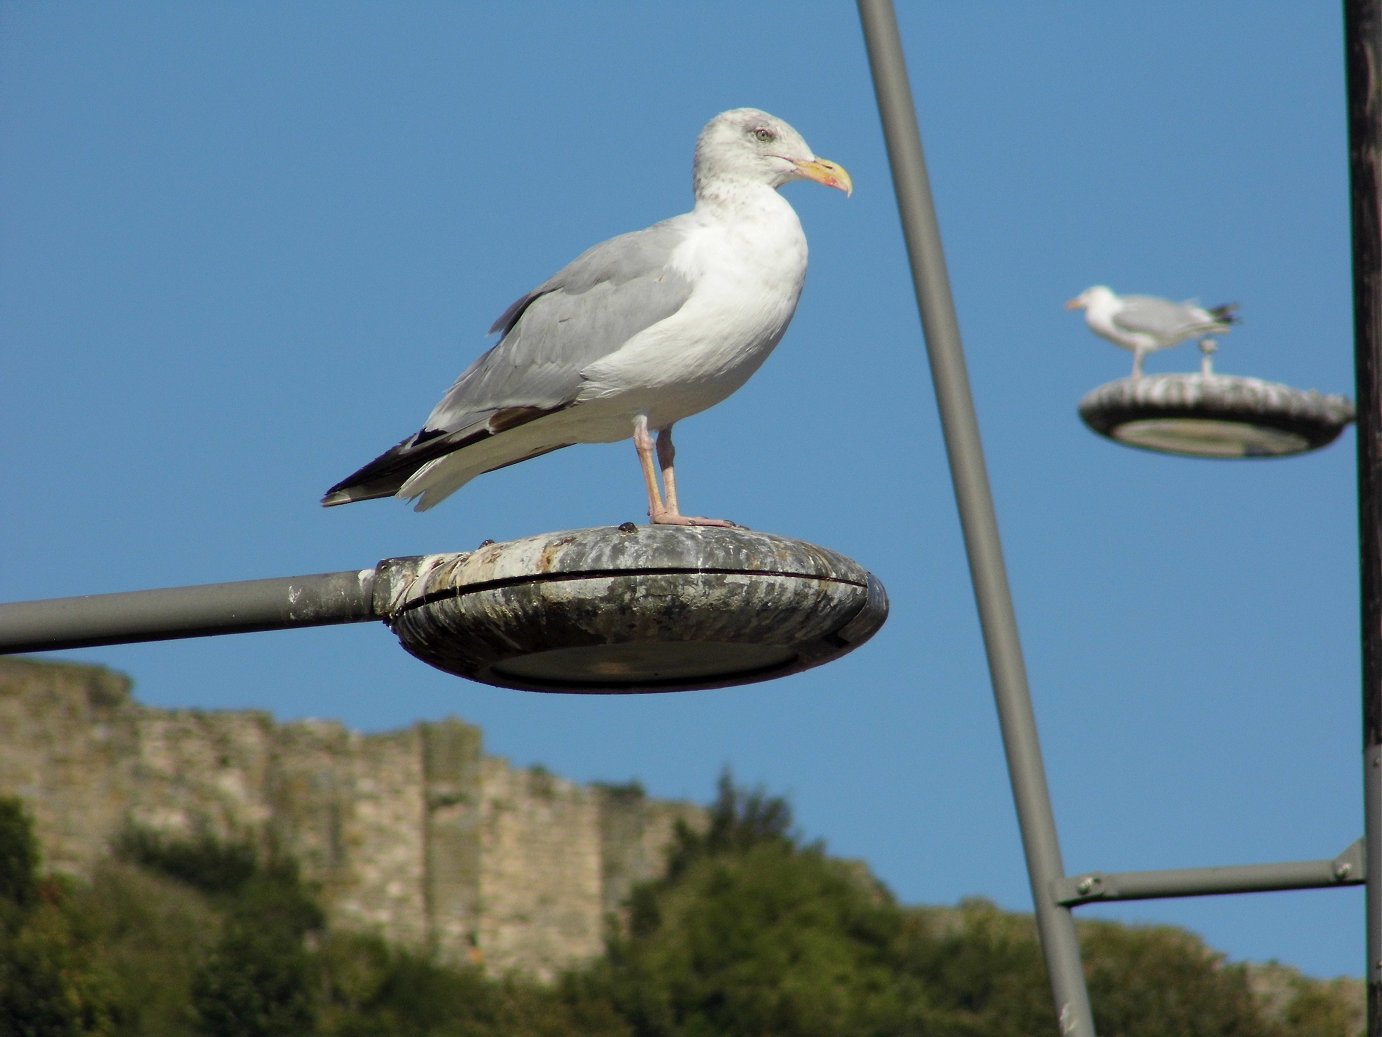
(586, 311)
(1153, 316)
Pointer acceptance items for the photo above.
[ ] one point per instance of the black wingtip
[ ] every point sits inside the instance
(1227, 313)
(386, 474)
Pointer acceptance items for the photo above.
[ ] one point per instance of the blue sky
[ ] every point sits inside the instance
(244, 248)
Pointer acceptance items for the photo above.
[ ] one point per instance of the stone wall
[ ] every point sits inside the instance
(413, 834)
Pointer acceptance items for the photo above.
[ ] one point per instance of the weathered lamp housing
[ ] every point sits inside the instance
(636, 608)
(1214, 415)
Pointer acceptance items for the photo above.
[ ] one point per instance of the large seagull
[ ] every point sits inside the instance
(633, 335)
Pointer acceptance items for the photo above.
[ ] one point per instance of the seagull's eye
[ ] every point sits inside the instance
(764, 135)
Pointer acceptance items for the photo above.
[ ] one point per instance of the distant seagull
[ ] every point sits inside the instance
(632, 336)
(1144, 323)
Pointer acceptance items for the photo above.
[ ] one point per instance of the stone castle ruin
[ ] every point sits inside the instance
(415, 834)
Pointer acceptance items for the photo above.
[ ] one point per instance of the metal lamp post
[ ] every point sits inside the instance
(614, 609)
(1260, 432)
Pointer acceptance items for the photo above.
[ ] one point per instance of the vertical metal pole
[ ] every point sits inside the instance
(974, 499)
(1363, 61)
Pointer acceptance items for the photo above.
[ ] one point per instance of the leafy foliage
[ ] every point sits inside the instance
(202, 861)
(259, 979)
(18, 862)
(51, 983)
(1315, 1007)
(150, 934)
(738, 820)
(751, 932)
(766, 939)
(257, 982)
(1180, 985)
(985, 968)
(374, 989)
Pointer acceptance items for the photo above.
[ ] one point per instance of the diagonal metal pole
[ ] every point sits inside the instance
(1363, 64)
(1055, 924)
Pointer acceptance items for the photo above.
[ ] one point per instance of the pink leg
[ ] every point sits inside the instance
(643, 443)
(666, 454)
(668, 514)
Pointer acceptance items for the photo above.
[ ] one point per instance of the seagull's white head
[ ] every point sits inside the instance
(1097, 296)
(745, 145)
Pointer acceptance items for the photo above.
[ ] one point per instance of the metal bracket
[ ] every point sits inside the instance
(1349, 868)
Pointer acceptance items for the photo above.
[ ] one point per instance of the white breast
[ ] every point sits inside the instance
(748, 266)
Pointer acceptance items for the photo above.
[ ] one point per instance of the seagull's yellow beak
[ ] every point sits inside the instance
(1075, 304)
(826, 172)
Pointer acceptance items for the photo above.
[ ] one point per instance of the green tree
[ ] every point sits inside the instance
(50, 982)
(753, 934)
(375, 990)
(750, 932)
(738, 820)
(983, 966)
(1319, 1008)
(149, 933)
(1148, 981)
(19, 860)
(986, 966)
(256, 983)
(259, 979)
(201, 860)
